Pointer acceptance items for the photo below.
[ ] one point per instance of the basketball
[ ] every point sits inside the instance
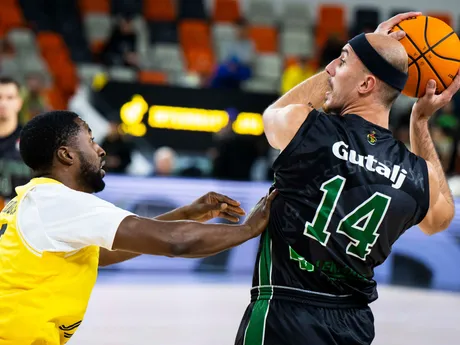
(433, 48)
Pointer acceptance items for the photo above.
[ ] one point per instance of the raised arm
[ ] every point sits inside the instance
(442, 207)
(189, 238)
(283, 118)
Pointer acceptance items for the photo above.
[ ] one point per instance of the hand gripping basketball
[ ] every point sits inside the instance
(386, 27)
(430, 103)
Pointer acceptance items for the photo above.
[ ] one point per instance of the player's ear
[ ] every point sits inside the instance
(368, 84)
(65, 156)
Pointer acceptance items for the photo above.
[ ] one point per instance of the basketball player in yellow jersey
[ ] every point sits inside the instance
(52, 231)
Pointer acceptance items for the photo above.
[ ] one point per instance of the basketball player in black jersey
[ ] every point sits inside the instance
(347, 191)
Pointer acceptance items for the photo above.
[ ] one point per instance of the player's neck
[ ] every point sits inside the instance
(374, 113)
(7, 127)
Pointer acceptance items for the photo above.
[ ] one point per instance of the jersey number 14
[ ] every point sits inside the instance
(360, 225)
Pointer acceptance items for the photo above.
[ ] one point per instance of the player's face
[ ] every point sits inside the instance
(343, 73)
(91, 160)
(10, 102)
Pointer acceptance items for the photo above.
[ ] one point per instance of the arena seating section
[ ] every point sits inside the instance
(176, 37)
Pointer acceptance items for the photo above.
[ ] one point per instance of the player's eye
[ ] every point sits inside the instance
(92, 139)
(342, 61)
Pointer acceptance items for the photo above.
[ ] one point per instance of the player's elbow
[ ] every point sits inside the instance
(437, 226)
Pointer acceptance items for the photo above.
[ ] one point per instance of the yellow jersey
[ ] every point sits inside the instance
(43, 296)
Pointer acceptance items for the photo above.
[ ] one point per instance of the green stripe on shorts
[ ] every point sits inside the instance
(255, 331)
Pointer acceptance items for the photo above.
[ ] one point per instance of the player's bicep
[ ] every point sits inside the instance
(145, 236)
(440, 213)
(282, 124)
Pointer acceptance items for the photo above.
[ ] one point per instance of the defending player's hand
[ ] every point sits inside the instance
(385, 27)
(214, 205)
(430, 103)
(258, 218)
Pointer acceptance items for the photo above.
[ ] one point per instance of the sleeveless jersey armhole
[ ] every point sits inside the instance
(297, 139)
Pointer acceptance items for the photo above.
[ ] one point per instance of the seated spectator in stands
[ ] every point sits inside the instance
(332, 48)
(164, 161)
(295, 73)
(35, 101)
(118, 150)
(120, 49)
(238, 56)
(13, 172)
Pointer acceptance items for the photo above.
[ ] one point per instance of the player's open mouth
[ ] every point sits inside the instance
(102, 170)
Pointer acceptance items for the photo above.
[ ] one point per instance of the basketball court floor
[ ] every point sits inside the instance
(160, 309)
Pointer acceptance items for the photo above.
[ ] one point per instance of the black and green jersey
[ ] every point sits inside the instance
(348, 190)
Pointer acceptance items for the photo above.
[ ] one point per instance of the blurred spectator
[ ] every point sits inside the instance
(233, 155)
(331, 50)
(34, 98)
(120, 49)
(118, 149)
(445, 135)
(238, 56)
(13, 172)
(192, 170)
(443, 144)
(295, 73)
(447, 118)
(164, 161)
(402, 130)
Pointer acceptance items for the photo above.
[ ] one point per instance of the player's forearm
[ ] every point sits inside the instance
(178, 238)
(313, 90)
(422, 145)
(196, 240)
(179, 213)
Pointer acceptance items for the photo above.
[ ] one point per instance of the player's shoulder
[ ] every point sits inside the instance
(52, 190)
(324, 120)
(60, 196)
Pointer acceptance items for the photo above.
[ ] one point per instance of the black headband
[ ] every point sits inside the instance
(376, 64)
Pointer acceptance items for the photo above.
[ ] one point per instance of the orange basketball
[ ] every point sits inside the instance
(434, 53)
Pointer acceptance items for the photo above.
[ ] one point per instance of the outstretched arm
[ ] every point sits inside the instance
(442, 208)
(211, 205)
(189, 238)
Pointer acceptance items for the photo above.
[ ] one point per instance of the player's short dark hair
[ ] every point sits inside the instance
(5, 80)
(390, 94)
(44, 134)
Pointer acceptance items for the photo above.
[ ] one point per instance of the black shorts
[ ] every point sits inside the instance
(279, 316)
